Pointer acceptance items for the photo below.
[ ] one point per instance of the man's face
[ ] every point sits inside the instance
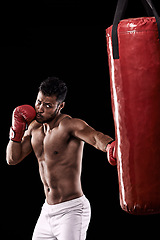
(46, 108)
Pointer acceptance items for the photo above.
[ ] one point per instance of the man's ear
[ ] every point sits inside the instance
(61, 105)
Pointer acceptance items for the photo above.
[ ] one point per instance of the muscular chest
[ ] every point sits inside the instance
(49, 145)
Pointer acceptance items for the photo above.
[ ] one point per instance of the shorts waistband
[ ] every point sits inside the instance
(63, 205)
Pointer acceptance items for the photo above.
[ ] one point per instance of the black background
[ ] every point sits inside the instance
(67, 40)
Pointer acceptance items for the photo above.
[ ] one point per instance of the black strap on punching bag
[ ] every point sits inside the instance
(120, 10)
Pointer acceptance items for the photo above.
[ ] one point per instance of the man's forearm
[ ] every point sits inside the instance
(102, 141)
(13, 153)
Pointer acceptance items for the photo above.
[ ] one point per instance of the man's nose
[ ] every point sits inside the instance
(41, 108)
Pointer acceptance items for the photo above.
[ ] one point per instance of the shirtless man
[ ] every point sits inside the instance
(57, 140)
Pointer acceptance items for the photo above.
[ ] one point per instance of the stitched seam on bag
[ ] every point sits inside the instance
(135, 31)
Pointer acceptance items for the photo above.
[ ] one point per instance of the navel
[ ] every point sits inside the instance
(55, 152)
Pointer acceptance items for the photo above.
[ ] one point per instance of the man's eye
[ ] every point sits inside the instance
(38, 102)
(48, 106)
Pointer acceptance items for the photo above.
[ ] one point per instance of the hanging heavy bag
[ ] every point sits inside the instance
(133, 47)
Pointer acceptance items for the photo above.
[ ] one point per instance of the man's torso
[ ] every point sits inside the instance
(59, 156)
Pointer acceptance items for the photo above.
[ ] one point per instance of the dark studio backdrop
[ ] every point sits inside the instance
(74, 51)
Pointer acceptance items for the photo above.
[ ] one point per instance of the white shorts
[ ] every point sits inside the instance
(64, 221)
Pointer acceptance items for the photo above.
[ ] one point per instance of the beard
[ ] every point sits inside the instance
(41, 119)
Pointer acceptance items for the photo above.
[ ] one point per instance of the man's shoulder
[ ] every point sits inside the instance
(34, 125)
(72, 123)
(67, 119)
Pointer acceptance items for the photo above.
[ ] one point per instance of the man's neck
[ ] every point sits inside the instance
(49, 126)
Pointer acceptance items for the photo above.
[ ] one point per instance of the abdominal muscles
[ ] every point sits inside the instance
(61, 181)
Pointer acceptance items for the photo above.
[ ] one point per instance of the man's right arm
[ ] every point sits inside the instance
(19, 145)
(17, 151)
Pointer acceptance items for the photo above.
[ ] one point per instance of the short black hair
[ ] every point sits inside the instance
(54, 86)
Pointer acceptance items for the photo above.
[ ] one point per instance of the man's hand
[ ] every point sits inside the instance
(22, 115)
(111, 153)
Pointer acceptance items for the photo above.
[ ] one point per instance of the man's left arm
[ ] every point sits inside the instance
(105, 143)
(84, 132)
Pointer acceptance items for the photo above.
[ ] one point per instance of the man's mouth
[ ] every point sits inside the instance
(38, 115)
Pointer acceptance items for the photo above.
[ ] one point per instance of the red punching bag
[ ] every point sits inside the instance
(133, 47)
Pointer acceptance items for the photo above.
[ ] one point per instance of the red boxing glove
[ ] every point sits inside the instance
(22, 115)
(111, 153)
